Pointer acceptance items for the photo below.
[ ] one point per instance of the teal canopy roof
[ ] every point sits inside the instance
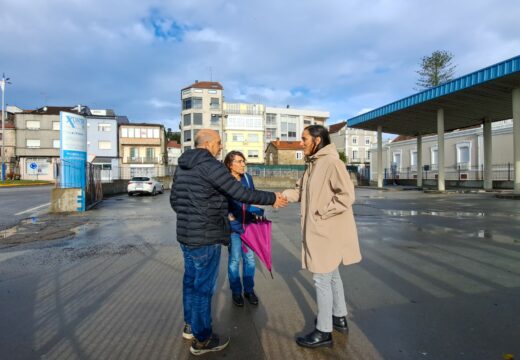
(466, 101)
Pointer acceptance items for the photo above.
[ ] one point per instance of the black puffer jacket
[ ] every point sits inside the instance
(201, 185)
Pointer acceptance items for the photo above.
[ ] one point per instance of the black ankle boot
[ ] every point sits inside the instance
(340, 324)
(315, 339)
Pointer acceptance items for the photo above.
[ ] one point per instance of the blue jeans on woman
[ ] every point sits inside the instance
(248, 266)
(201, 265)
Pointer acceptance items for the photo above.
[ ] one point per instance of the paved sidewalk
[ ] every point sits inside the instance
(439, 280)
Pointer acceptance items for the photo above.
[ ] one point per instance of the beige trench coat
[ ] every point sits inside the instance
(329, 231)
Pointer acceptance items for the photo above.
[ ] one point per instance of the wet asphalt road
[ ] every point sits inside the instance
(17, 203)
(439, 280)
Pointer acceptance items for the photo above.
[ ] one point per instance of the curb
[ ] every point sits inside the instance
(18, 185)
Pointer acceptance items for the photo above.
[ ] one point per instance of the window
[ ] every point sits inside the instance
(134, 153)
(56, 125)
(367, 154)
(252, 138)
(413, 158)
(299, 155)
(131, 132)
(434, 156)
(187, 135)
(124, 132)
(464, 155)
(212, 91)
(252, 154)
(238, 137)
(32, 143)
(144, 132)
(354, 140)
(197, 118)
(156, 134)
(104, 145)
(104, 127)
(355, 155)
(107, 166)
(197, 90)
(150, 153)
(186, 104)
(32, 124)
(56, 144)
(270, 119)
(396, 160)
(214, 103)
(196, 103)
(186, 91)
(367, 141)
(270, 134)
(215, 119)
(307, 122)
(288, 127)
(149, 133)
(187, 119)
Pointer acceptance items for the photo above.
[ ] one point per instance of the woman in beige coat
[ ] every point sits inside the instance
(329, 231)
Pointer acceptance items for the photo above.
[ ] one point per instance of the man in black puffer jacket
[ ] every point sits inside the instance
(201, 185)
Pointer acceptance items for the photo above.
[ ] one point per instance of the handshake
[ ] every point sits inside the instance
(281, 201)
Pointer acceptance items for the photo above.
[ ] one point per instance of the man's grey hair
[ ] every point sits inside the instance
(204, 135)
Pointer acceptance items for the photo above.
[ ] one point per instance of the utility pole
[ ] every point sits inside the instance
(2, 85)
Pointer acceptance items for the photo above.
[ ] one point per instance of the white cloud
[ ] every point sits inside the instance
(346, 56)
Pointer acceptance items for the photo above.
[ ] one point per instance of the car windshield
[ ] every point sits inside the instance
(140, 178)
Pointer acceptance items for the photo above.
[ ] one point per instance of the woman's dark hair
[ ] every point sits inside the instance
(231, 156)
(318, 131)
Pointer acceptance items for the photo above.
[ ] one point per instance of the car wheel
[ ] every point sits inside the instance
(162, 189)
(129, 194)
(154, 192)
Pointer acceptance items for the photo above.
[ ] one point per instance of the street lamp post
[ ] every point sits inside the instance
(2, 85)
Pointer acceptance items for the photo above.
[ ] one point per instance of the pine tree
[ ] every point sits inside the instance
(436, 69)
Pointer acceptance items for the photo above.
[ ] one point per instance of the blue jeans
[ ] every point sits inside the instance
(201, 267)
(248, 264)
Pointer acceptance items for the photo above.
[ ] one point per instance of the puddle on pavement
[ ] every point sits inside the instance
(452, 214)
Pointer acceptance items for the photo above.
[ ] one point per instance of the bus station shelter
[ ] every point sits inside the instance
(482, 97)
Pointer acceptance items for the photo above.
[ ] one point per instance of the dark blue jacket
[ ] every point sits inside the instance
(201, 188)
(236, 208)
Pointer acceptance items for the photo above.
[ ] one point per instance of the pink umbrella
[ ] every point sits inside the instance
(257, 236)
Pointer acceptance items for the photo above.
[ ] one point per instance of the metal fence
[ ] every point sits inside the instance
(459, 172)
(92, 181)
(288, 171)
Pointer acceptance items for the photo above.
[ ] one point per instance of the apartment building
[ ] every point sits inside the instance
(174, 152)
(354, 143)
(38, 140)
(142, 149)
(8, 139)
(287, 124)
(201, 109)
(102, 142)
(243, 130)
(464, 155)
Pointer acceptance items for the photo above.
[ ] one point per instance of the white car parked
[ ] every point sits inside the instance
(144, 185)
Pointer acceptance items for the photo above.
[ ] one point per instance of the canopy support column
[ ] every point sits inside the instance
(488, 170)
(419, 161)
(440, 150)
(380, 157)
(516, 138)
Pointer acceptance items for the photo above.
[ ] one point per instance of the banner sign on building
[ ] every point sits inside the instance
(73, 153)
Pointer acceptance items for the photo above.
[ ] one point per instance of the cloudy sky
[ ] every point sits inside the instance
(343, 56)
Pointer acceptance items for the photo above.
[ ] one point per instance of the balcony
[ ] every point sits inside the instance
(142, 160)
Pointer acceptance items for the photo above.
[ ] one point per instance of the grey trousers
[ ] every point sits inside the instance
(330, 298)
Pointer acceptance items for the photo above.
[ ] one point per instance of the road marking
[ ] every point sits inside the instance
(32, 209)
